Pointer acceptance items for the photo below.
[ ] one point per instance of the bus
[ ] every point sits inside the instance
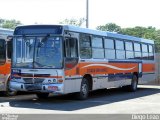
(63, 59)
(5, 60)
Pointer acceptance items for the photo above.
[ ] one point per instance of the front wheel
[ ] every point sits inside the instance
(84, 90)
(9, 92)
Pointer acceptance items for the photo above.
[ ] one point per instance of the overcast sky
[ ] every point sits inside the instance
(126, 13)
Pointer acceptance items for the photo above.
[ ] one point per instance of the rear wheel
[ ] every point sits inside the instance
(42, 95)
(84, 90)
(134, 84)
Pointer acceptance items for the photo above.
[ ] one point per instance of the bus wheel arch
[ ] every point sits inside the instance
(90, 81)
(137, 75)
(86, 86)
(7, 91)
(134, 82)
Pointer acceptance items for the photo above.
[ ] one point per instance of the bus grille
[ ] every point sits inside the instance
(33, 80)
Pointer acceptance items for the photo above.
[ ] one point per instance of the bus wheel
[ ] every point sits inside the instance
(42, 95)
(84, 90)
(8, 92)
(134, 83)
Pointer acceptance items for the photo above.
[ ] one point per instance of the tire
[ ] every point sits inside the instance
(134, 84)
(84, 90)
(8, 92)
(42, 95)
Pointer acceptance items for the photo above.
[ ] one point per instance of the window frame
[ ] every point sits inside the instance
(109, 49)
(151, 57)
(85, 47)
(9, 47)
(118, 50)
(137, 51)
(3, 51)
(129, 50)
(144, 52)
(98, 48)
(76, 46)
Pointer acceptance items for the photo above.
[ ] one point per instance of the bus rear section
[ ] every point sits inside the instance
(61, 59)
(5, 60)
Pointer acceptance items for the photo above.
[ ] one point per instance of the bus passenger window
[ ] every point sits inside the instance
(145, 51)
(71, 47)
(2, 52)
(85, 46)
(9, 49)
(97, 47)
(151, 55)
(137, 51)
(120, 53)
(129, 50)
(109, 49)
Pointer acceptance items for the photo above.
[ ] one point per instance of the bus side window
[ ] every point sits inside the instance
(9, 49)
(71, 47)
(85, 46)
(129, 50)
(2, 52)
(145, 51)
(120, 52)
(151, 52)
(109, 49)
(71, 53)
(137, 51)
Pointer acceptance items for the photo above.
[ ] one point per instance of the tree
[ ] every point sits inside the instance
(144, 32)
(9, 23)
(76, 22)
(157, 40)
(138, 31)
(112, 27)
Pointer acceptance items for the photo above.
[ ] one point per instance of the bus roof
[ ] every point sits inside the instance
(4, 31)
(95, 32)
(107, 34)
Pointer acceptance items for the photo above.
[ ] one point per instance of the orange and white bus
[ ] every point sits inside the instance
(5, 60)
(62, 59)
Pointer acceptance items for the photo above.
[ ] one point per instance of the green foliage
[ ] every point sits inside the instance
(76, 22)
(9, 23)
(112, 27)
(138, 31)
(143, 32)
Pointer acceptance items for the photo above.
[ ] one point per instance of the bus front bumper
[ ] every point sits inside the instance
(48, 88)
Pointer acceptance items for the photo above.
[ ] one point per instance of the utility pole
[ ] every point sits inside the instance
(87, 13)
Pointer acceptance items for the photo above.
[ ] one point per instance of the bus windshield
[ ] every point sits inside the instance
(37, 52)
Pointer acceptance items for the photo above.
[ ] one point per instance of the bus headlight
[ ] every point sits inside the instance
(54, 80)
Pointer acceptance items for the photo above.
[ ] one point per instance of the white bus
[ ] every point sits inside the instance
(62, 59)
(5, 60)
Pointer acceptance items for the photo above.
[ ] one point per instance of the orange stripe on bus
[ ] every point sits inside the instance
(103, 68)
(5, 69)
(148, 67)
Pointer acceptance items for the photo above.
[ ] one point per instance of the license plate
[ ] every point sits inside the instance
(52, 88)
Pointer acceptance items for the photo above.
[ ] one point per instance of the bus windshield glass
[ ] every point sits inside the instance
(37, 52)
